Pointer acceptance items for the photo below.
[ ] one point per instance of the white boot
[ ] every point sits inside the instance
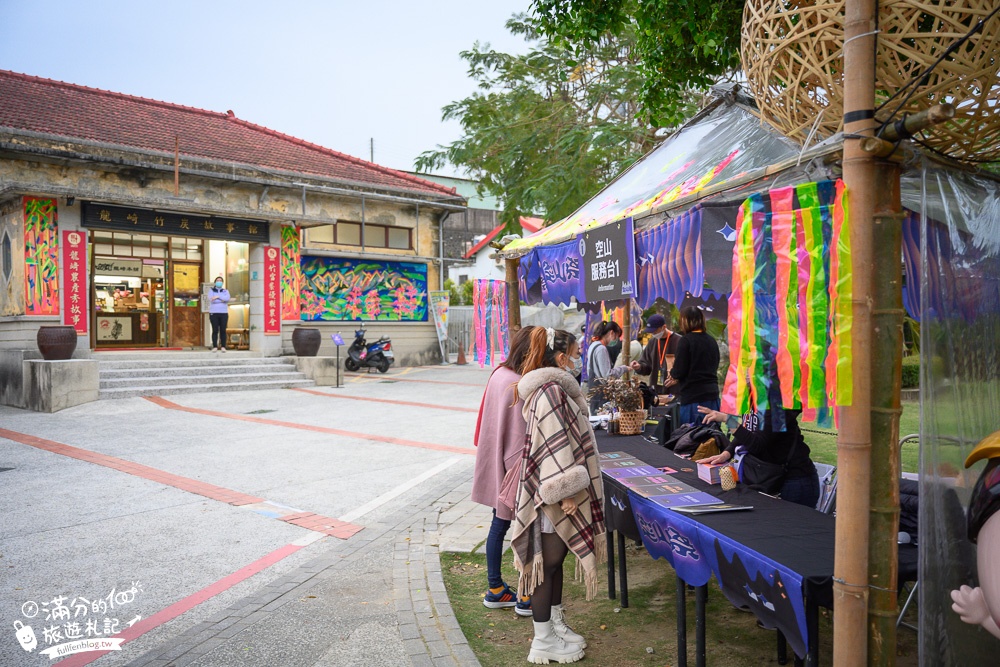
(560, 628)
(548, 647)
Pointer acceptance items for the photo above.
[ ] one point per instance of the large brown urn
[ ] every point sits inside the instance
(306, 341)
(56, 343)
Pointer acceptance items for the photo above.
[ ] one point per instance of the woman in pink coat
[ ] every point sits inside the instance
(500, 437)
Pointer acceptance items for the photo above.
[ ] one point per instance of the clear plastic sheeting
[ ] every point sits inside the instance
(723, 144)
(960, 398)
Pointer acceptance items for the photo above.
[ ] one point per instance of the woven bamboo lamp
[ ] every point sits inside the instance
(791, 53)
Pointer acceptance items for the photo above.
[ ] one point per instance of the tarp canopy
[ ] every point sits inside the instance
(722, 143)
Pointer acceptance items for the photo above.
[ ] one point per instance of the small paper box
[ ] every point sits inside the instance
(710, 474)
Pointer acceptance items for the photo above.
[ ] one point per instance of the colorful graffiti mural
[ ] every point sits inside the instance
(291, 274)
(347, 289)
(41, 257)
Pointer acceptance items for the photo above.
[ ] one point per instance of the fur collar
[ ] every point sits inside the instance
(536, 379)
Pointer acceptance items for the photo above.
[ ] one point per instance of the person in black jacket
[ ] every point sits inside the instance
(696, 367)
(801, 483)
(658, 355)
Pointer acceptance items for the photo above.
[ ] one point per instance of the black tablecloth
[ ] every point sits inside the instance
(794, 536)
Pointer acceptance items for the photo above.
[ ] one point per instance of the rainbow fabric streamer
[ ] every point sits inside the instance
(790, 308)
(489, 321)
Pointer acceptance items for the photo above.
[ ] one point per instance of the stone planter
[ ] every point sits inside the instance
(306, 341)
(56, 343)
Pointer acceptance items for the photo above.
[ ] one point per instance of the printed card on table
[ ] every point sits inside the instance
(684, 499)
(610, 456)
(621, 463)
(634, 471)
(656, 485)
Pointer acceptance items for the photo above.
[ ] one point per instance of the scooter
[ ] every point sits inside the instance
(376, 355)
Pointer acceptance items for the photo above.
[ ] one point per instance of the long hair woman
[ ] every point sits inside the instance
(695, 369)
(599, 365)
(499, 440)
(560, 499)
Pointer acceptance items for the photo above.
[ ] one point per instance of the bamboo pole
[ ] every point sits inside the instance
(850, 587)
(627, 330)
(886, 381)
(513, 296)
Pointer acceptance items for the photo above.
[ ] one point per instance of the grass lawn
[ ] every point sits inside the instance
(622, 637)
(823, 442)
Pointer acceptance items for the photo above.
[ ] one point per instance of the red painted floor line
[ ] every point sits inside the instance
(397, 378)
(188, 603)
(318, 523)
(170, 405)
(430, 406)
(153, 474)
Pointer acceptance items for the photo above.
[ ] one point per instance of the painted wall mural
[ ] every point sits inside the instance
(291, 274)
(336, 289)
(41, 257)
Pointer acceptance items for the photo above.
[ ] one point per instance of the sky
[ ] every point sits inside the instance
(337, 73)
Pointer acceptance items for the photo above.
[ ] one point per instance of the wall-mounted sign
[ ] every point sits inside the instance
(608, 255)
(146, 221)
(272, 291)
(74, 270)
(110, 266)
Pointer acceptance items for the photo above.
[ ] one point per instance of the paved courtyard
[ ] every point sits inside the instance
(279, 528)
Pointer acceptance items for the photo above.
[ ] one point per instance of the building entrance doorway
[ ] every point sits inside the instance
(185, 304)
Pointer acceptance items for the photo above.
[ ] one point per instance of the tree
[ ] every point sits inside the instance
(681, 45)
(549, 128)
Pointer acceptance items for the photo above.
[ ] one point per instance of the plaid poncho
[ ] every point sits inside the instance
(559, 440)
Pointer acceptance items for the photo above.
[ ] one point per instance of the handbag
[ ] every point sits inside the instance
(762, 475)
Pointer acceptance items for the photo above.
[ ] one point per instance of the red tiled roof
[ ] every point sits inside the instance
(68, 110)
(528, 225)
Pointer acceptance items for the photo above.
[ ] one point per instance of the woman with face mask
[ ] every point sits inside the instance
(218, 314)
(599, 364)
(560, 496)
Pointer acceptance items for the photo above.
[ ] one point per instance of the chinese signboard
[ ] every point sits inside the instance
(146, 221)
(74, 270)
(608, 255)
(272, 291)
(109, 266)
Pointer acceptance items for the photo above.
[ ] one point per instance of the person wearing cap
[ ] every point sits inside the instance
(658, 355)
(218, 314)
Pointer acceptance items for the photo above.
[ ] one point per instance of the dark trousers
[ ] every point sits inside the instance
(494, 550)
(801, 490)
(219, 322)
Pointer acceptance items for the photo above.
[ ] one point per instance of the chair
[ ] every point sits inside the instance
(827, 487)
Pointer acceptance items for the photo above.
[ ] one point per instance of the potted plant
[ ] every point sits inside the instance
(624, 394)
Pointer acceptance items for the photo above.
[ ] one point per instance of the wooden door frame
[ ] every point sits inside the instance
(173, 284)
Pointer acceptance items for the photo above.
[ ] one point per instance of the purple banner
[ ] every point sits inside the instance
(670, 263)
(553, 272)
(667, 535)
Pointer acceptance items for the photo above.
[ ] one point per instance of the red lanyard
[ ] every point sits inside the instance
(663, 350)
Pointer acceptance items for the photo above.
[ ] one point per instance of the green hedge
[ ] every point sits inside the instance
(911, 372)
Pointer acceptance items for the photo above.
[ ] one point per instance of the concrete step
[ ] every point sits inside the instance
(142, 355)
(207, 380)
(185, 370)
(130, 392)
(214, 360)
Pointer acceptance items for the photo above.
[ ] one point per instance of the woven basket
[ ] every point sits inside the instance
(630, 423)
(792, 56)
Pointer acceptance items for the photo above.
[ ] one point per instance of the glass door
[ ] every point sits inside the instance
(185, 304)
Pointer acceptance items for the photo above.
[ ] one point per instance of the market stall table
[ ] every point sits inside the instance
(776, 559)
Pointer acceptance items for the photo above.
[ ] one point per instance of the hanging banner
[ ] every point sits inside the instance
(439, 311)
(558, 268)
(489, 321)
(608, 255)
(74, 270)
(272, 291)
